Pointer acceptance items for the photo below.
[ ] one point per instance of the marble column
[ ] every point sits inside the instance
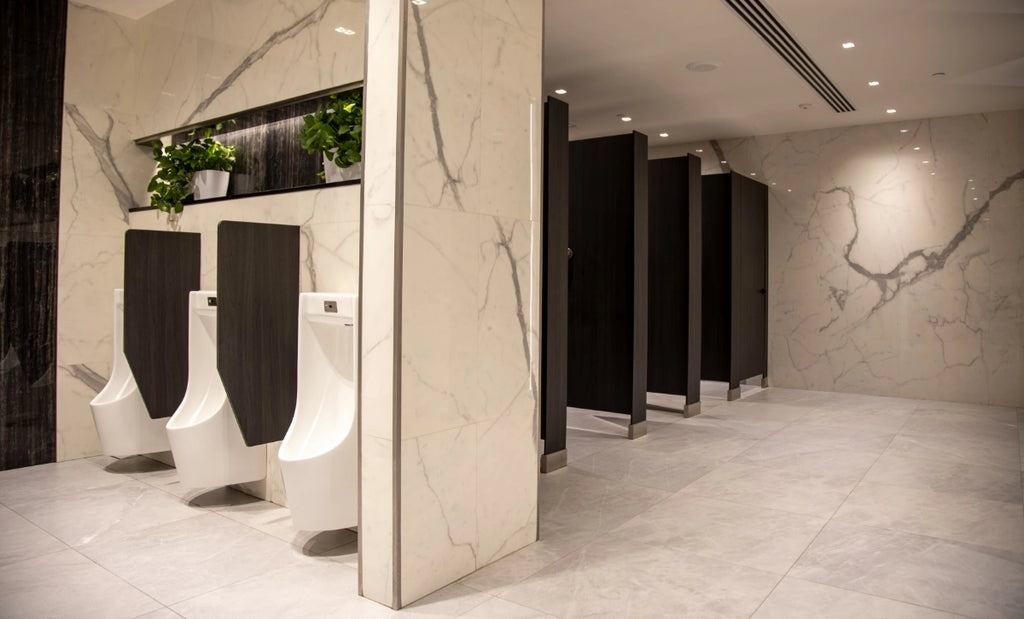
(450, 291)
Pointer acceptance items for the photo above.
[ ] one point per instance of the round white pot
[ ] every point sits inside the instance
(334, 174)
(208, 184)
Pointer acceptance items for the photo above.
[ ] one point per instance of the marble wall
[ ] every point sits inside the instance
(896, 255)
(31, 87)
(186, 62)
(451, 241)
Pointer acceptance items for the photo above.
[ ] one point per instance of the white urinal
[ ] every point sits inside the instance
(122, 421)
(319, 457)
(205, 438)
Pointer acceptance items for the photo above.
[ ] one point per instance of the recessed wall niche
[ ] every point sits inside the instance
(269, 157)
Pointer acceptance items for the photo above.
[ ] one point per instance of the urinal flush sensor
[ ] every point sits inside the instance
(331, 307)
(211, 301)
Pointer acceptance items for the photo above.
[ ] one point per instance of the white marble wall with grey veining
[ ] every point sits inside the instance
(468, 219)
(896, 255)
(188, 61)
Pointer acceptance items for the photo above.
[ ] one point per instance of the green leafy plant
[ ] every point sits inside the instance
(336, 129)
(171, 186)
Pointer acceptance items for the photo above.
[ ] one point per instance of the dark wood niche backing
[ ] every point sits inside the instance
(554, 333)
(257, 324)
(674, 342)
(608, 275)
(160, 269)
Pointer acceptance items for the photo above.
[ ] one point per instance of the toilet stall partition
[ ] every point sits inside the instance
(674, 279)
(608, 235)
(257, 314)
(160, 269)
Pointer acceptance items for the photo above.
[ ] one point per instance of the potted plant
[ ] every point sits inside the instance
(335, 129)
(196, 169)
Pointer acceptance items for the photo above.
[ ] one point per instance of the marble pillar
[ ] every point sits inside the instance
(450, 291)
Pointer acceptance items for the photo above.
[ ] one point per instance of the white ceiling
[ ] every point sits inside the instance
(630, 56)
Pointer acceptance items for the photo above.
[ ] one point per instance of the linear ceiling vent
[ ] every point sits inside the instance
(758, 17)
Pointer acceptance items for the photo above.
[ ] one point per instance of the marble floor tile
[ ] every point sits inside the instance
(958, 449)
(20, 539)
(793, 397)
(637, 465)
(179, 560)
(703, 441)
(502, 609)
(805, 458)
(299, 590)
(995, 413)
(66, 584)
(969, 580)
(982, 482)
(781, 489)
(886, 420)
(794, 597)
(455, 599)
(837, 437)
(96, 514)
(950, 423)
(739, 423)
(765, 539)
(762, 411)
(48, 480)
(586, 502)
(966, 519)
(582, 443)
(160, 613)
(621, 578)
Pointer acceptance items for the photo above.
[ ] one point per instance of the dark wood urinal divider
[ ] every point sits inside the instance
(608, 276)
(673, 360)
(257, 319)
(160, 269)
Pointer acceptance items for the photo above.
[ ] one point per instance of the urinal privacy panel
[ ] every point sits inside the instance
(257, 314)
(160, 269)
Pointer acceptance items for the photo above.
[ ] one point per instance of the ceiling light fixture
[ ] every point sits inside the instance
(344, 30)
(872, 83)
(700, 150)
(419, 2)
(560, 91)
(891, 110)
(925, 161)
(663, 134)
(904, 130)
(723, 162)
(625, 118)
(789, 190)
(917, 148)
(848, 45)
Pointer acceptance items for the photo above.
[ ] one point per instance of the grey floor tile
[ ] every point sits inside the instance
(765, 539)
(959, 449)
(306, 589)
(960, 578)
(453, 600)
(982, 482)
(808, 458)
(884, 419)
(794, 597)
(48, 480)
(573, 498)
(756, 410)
(781, 489)
(967, 519)
(20, 539)
(502, 609)
(66, 584)
(180, 560)
(637, 465)
(957, 424)
(620, 578)
(837, 437)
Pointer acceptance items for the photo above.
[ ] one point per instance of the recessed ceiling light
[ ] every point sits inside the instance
(972, 188)
(723, 162)
(663, 134)
(702, 66)
(872, 83)
(904, 130)
(970, 180)
(561, 91)
(700, 150)
(891, 110)
(917, 148)
(925, 161)
(933, 173)
(753, 173)
(773, 184)
(790, 190)
(625, 119)
(344, 30)
(975, 199)
(848, 45)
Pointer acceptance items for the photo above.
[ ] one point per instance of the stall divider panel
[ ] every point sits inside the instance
(673, 365)
(160, 269)
(555, 296)
(257, 325)
(607, 332)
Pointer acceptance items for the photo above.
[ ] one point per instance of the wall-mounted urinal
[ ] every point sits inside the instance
(122, 421)
(205, 439)
(319, 457)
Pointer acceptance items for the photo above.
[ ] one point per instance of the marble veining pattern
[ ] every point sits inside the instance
(894, 255)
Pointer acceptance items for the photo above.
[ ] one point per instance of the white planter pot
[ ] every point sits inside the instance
(334, 174)
(208, 184)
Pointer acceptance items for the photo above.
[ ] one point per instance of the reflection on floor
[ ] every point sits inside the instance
(784, 504)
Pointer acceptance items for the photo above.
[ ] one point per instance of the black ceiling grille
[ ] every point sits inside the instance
(757, 15)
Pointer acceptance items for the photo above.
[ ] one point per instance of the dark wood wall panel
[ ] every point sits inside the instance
(555, 297)
(31, 103)
(716, 277)
(257, 325)
(674, 345)
(160, 269)
(607, 275)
